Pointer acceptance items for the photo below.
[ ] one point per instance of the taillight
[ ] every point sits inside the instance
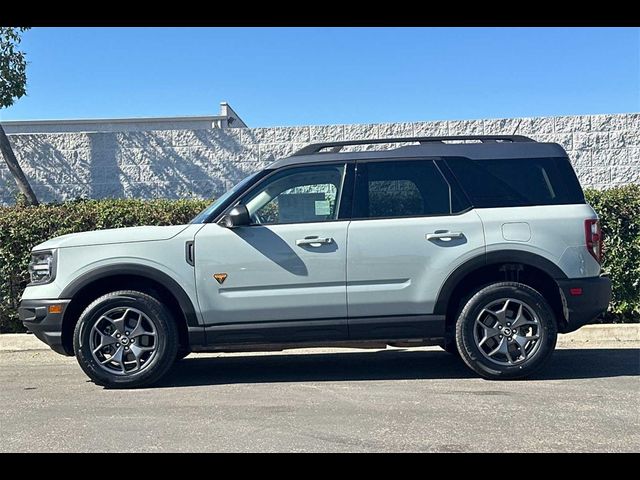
(593, 238)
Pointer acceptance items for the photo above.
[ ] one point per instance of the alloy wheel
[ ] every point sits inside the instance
(123, 341)
(507, 332)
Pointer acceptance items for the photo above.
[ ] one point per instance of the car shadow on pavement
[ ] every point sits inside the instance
(384, 365)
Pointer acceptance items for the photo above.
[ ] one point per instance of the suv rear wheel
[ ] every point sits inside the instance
(125, 339)
(506, 330)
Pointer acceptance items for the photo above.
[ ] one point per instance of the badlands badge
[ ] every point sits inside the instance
(220, 277)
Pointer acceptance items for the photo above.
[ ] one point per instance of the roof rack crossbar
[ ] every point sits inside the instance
(338, 145)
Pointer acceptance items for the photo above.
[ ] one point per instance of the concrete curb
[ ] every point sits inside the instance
(618, 332)
(592, 334)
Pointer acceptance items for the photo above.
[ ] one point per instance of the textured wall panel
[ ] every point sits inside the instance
(604, 150)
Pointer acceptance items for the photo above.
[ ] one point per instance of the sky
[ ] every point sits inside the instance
(313, 76)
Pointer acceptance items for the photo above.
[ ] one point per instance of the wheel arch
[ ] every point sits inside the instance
(89, 286)
(526, 267)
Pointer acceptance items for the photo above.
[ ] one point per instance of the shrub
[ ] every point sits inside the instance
(619, 212)
(23, 227)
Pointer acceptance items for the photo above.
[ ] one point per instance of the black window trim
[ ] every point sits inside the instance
(442, 162)
(454, 184)
(436, 161)
(346, 178)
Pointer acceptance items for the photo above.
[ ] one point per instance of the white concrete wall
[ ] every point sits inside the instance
(113, 124)
(604, 149)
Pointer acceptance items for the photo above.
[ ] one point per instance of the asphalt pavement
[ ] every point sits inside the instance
(586, 399)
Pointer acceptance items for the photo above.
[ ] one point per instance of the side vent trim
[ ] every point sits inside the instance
(189, 253)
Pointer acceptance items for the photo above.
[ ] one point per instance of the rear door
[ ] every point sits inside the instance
(409, 231)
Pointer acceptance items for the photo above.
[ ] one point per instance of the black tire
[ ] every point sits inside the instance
(472, 354)
(166, 337)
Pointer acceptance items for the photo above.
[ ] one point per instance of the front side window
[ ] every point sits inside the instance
(297, 195)
(400, 189)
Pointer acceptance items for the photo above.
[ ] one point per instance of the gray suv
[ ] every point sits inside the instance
(483, 245)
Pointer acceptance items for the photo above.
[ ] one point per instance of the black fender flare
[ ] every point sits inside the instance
(139, 271)
(492, 258)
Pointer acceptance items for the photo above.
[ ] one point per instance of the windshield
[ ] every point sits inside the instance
(216, 207)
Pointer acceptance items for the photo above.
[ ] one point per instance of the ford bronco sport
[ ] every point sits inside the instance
(483, 245)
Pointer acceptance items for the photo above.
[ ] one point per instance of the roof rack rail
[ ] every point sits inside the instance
(338, 145)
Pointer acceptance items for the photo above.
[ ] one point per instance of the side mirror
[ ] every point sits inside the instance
(237, 217)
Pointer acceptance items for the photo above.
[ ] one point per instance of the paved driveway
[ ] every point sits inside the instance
(588, 399)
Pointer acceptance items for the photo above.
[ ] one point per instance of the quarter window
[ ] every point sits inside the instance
(517, 182)
(400, 189)
(297, 195)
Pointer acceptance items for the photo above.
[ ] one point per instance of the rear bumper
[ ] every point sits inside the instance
(585, 298)
(35, 316)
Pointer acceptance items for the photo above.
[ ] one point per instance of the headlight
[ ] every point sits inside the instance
(42, 267)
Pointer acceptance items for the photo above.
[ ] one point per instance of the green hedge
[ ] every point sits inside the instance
(23, 227)
(619, 211)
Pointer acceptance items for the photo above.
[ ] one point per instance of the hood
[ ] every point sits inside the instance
(112, 235)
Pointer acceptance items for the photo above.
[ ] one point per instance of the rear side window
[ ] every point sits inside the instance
(517, 182)
(400, 189)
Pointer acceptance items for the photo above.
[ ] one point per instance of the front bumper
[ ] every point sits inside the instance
(36, 316)
(586, 298)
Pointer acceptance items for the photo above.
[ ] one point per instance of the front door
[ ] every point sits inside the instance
(282, 278)
(409, 231)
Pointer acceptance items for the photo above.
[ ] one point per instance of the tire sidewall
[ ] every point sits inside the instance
(165, 338)
(465, 326)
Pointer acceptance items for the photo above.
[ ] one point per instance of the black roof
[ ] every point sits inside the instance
(483, 147)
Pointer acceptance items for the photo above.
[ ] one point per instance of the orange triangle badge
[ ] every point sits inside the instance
(220, 277)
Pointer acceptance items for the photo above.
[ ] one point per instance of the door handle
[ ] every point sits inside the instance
(443, 235)
(313, 241)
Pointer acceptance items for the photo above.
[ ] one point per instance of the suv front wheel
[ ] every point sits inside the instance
(125, 339)
(506, 330)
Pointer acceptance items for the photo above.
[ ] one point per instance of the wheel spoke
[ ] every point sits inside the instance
(488, 312)
(138, 351)
(508, 353)
(106, 340)
(522, 342)
(120, 323)
(501, 314)
(521, 320)
(138, 329)
(501, 348)
(136, 357)
(489, 332)
(116, 357)
(103, 317)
